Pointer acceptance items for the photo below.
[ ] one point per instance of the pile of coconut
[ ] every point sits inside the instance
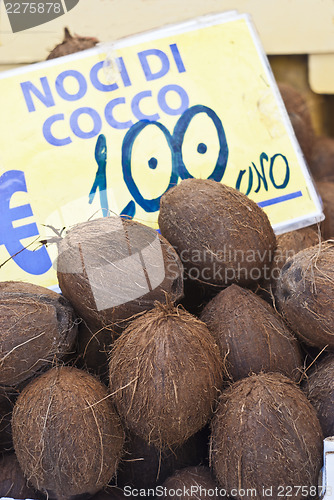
(196, 359)
(171, 359)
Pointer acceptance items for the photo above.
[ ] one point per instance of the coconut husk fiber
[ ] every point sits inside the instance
(251, 335)
(67, 437)
(93, 347)
(221, 236)
(191, 483)
(165, 372)
(13, 484)
(288, 244)
(304, 295)
(37, 328)
(319, 389)
(112, 269)
(72, 44)
(266, 438)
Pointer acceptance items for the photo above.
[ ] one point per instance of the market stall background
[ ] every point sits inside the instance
(302, 30)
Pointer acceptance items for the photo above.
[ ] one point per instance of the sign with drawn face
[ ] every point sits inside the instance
(109, 130)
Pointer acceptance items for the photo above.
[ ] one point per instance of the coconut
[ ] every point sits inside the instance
(319, 389)
(191, 483)
(112, 269)
(71, 44)
(251, 335)
(13, 484)
(165, 372)
(67, 437)
(300, 118)
(37, 327)
(221, 235)
(145, 466)
(322, 161)
(326, 191)
(266, 439)
(288, 244)
(305, 292)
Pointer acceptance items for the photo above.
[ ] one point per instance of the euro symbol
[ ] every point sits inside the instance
(31, 261)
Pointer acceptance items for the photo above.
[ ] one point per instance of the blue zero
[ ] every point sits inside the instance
(175, 143)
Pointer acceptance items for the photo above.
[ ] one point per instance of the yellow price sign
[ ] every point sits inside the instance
(109, 130)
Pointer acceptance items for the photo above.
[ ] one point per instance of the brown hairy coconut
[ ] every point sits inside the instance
(13, 484)
(112, 269)
(221, 235)
(193, 483)
(71, 44)
(145, 466)
(251, 335)
(305, 292)
(265, 434)
(319, 389)
(288, 244)
(322, 161)
(165, 371)
(37, 327)
(326, 191)
(300, 118)
(67, 437)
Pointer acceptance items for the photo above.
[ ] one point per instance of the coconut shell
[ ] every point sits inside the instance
(326, 191)
(300, 118)
(221, 236)
(305, 293)
(265, 434)
(251, 335)
(67, 437)
(145, 466)
(322, 161)
(191, 483)
(319, 388)
(37, 327)
(165, 372)
(72, 44)
(112, 269)
(13, 484)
